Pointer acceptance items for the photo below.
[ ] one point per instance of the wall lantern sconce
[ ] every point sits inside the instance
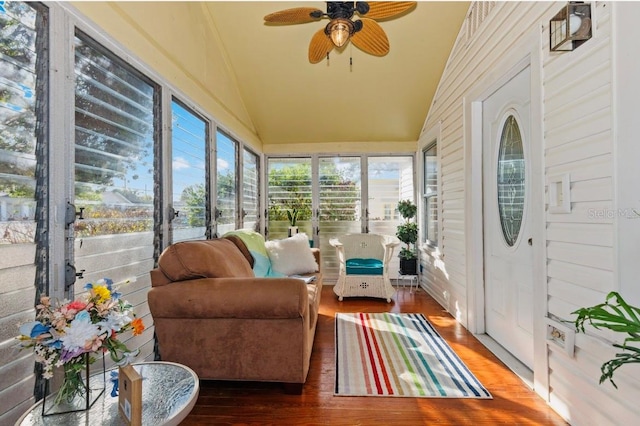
(570, 27)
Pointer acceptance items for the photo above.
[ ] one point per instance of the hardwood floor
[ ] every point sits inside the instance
(227, 403)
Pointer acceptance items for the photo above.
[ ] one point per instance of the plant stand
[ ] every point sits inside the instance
(412, 278)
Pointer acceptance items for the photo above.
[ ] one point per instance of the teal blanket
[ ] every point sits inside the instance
(255, 244)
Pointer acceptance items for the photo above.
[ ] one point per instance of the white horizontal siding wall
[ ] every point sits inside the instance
(491, 30)
(17, 294)
(127, 260)
(578, 139)
(131, 261)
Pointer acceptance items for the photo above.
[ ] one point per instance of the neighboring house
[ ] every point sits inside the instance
(570, 117)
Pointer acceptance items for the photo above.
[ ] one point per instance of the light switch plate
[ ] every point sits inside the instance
(560, 193)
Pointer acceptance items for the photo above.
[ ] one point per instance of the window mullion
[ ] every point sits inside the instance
(61, 119)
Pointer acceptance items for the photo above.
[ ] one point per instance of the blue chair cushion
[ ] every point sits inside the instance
(357, 266)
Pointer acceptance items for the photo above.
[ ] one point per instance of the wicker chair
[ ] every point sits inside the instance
(364, 265)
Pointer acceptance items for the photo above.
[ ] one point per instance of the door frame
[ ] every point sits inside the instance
(526, 52)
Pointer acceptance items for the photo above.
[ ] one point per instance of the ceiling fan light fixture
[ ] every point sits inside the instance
(365, 33)
(339, 31)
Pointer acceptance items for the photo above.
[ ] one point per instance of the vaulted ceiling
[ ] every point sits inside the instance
(376, 99)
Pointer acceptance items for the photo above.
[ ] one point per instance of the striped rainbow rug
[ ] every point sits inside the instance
(391, 354)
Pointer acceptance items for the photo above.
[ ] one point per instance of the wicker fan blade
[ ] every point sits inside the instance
(388, 9)
(319, 47)
(371, 38)
(298, 15)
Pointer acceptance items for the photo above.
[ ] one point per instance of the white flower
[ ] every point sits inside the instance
(80, 331)
(114, 322)
(128, 358)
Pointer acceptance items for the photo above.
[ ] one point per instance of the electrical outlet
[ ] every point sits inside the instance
(561, 336)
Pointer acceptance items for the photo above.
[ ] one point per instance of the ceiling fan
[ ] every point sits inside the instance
(365, 33)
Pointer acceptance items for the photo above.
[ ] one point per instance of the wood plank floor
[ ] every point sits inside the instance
(227, 403)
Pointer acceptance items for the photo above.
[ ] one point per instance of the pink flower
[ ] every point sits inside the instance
(45, 302)
(94, 344)
(76, 305)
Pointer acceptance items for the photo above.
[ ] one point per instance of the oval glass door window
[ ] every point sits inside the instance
(511, 180)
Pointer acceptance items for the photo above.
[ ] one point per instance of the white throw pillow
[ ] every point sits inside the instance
(292, 255)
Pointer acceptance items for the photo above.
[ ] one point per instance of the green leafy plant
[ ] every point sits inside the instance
(407, 209)
(408, 234)
(617, 315)
(408, 231)
(292, 215)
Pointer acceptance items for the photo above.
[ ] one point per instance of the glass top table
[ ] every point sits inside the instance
(169, 392)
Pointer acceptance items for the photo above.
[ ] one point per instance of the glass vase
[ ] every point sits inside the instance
(78, 389)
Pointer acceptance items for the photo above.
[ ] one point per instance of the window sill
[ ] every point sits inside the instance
(431, 250)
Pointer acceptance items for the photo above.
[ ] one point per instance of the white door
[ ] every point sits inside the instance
(508, 263)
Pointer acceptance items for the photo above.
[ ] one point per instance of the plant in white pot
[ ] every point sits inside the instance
(292, 215)
(407, 232)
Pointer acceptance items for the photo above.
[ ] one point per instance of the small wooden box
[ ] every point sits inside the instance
(130, 395)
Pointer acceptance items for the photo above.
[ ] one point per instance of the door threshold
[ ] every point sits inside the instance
(514, 364)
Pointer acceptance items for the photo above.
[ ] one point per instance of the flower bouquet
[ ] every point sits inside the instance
(70, 334)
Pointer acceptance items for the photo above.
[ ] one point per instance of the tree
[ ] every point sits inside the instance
(114, 117)
(339, 193)
(290, 188)
(407, 232)
(226, 197)
(114, 107)
(193, 197)
(17, 116)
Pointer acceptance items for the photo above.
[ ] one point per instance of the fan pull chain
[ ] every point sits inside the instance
(350, 57)
(328, 59)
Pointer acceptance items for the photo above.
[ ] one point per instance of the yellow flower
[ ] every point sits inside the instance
(102, 292)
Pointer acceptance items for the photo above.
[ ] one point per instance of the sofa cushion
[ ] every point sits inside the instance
(217, 258)
(292, 255)
(358, 266)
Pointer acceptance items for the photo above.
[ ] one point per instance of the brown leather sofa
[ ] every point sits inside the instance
(213, 315)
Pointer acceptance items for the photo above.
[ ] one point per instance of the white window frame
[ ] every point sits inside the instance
(429, 139)
(169, 174)
(241, 194)
(64, 18)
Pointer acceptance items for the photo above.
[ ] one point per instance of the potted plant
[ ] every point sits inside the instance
(292, 215)
(407, 232)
